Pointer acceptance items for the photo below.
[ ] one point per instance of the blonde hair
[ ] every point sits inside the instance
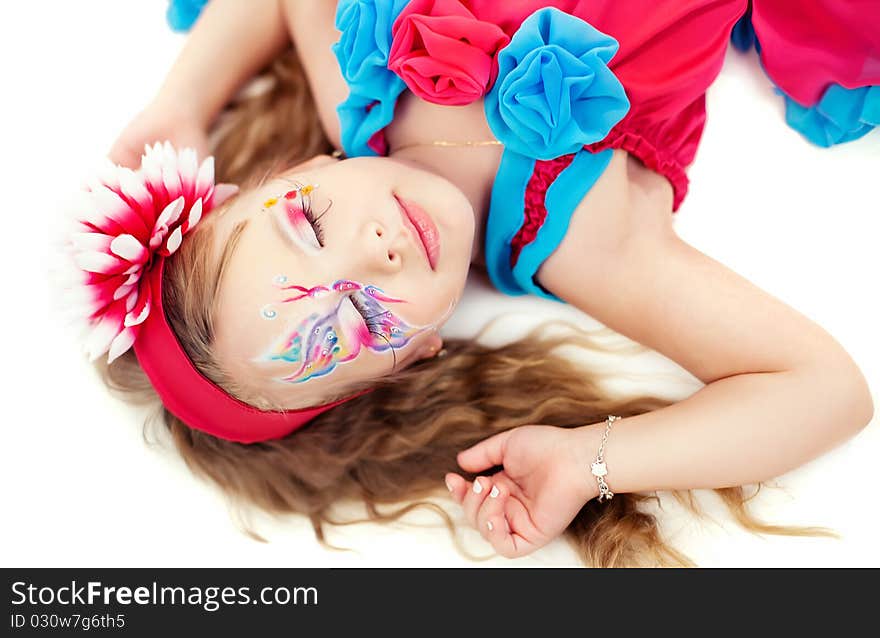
(395, 444)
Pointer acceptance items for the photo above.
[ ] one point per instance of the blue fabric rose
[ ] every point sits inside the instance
(362, 52)
(555, 92)
(182, 14)
(842, 115)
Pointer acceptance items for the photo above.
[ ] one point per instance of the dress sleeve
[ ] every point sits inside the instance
(182, 14)
(824, 56)
(531, 208)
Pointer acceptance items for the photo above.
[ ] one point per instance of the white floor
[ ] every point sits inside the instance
(80, 486)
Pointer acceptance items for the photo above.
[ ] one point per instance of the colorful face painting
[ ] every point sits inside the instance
(300, 223)
(357, 317)
(356, 320)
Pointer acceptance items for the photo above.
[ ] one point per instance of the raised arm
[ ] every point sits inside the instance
(231, 42)
(780, 390)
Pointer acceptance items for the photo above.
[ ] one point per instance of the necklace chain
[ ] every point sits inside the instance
(447, 143)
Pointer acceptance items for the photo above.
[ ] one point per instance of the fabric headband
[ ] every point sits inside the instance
(132, 223)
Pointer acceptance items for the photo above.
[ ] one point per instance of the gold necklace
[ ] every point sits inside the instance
(446, 143)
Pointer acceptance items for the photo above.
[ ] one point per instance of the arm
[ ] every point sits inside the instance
(233, 40)
(229, 44)
(311, 23)
(780, 390)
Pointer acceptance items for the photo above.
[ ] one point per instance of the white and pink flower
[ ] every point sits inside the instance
(130, 219)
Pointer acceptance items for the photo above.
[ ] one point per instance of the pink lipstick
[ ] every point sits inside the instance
(422, 227)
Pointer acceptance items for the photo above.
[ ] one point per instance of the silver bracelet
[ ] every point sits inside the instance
(598, 468)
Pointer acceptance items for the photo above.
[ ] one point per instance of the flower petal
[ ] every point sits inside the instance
(102, 335)
(205, 179)
(174, 240)
(195, 214)
(93, 242)
(188, 166)
(100, 263)
(170, 214)
(139, 313)
(121, 343)
(129, 248)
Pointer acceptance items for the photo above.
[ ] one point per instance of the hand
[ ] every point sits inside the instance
(545, 482)
(158, 122)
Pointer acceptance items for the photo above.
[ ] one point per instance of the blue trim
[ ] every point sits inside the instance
(506, 216)
(362, 52)
(563, 197)
(842, 115)
(182, 14)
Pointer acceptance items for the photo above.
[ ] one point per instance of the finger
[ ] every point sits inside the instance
(491, 512)
(457, 486)
(507, 542)
(524, 537)
(474, 498)
(485, 454)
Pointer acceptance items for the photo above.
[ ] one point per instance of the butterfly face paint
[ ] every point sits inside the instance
(354, 316)
(357, 320)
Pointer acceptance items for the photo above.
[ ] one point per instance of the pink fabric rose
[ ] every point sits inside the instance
(444, 53)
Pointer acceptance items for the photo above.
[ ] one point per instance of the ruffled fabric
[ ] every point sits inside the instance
(182, 14)
(555, 92)
(535, 209)
(362, 52)
(443, 53)
(667, 147)
(842, 115)
(529, 213)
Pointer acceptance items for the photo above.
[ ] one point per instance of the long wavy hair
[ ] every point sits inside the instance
(394, 445)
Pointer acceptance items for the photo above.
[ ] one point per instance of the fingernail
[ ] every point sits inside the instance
(495, 492)
(448, 486)
(477, 487)
(489, 525)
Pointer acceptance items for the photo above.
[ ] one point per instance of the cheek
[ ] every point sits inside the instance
(316, 344)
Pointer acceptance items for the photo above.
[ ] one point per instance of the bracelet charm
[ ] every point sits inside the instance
(598, 468)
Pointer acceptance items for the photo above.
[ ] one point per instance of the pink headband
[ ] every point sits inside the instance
(133, 222)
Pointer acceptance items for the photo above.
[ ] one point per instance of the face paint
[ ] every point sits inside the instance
(294, 209)
(322, 341)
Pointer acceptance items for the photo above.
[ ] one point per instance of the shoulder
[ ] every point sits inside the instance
(629, 204)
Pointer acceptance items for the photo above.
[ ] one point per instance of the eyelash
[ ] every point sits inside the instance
(373, 325)
(309, 214)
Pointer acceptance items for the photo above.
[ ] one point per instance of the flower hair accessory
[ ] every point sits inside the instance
(131, 222)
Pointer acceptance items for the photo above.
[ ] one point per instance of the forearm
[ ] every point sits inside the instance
(231, 41)
(735, 431)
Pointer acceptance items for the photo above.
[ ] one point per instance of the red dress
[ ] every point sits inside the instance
(670, 52)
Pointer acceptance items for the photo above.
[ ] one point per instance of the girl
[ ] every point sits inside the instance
(451, 165)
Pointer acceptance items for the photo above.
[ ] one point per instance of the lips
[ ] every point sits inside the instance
(423, 228)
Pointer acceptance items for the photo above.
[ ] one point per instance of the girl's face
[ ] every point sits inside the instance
(343, 272)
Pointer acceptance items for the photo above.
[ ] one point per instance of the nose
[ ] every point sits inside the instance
(383, 247)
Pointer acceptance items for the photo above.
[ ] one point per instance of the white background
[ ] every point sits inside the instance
(80, 486)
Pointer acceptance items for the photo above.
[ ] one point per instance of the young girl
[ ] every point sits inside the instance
(545, 142)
